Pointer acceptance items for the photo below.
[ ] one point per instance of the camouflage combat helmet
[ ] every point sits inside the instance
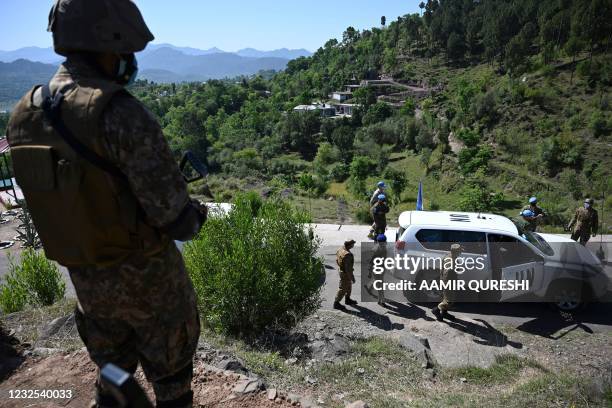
(98, 26)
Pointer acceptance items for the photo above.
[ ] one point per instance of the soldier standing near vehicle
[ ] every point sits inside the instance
(532, 214)
(108, 199)
(379, 215)
(584, 222)
(447, 274)
(381, 186)
(380, 252)
(345, 262)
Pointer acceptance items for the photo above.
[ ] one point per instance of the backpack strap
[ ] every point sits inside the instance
(51, 106)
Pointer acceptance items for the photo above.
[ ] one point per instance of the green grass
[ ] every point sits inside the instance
(505, 370)
(28, 322)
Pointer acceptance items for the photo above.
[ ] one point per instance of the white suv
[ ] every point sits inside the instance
(558, 269)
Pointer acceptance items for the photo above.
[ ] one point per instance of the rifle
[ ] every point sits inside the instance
(124, 387)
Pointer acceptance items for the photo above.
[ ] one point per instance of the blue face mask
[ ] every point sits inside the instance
(128, 70)
(587, 205)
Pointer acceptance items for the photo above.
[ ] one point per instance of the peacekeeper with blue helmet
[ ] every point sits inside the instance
(532, 215)
(380, 189)
(379, 214)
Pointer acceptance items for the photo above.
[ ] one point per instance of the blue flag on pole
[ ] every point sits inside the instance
(419, 203)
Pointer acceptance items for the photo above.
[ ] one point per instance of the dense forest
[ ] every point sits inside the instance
(512, 100)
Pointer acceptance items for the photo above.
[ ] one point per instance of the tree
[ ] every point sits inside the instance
(383, 21)
(455, 47)
(377, 113)
(572, 49)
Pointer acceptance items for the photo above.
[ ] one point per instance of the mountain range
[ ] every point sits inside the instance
(48, 56)
(22, 68)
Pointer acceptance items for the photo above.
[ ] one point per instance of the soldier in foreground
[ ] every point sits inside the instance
(584, 222)
(345, 261)
(532, 214)
(447, 274)
(108, 200)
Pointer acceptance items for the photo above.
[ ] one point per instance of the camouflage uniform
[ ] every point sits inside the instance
(446, 275)
(345, 262)
(532, 223)
(380, 251)
(374, 198)
(379, 215)
(144, 310)
(584, 222)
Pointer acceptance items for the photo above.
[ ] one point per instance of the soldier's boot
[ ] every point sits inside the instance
(436, 312)
(350, 301)
(339, 306)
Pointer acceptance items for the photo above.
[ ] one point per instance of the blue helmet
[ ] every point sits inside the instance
(381, 184)
(533, 200)
(381, 238)
(528, 213)
(382, 197)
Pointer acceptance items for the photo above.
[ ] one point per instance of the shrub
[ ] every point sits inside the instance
(377, 113)
(598, 124)
(35, 281)
(472, 159)
(477, 197)
(409, 107)
(362, 214)
(468, 136)
(339, 172)
(397, 180)
(255, 272)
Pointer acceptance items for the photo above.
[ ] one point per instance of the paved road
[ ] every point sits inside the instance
(530, 317)
(526, 316)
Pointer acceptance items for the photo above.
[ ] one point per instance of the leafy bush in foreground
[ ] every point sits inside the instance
(35, 281)
(255, 269)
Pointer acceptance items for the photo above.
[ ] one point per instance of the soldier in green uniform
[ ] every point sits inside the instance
(379, 215)
(108, 199)
(584, 222)
(345, 261)
(532, 214)
(380, 251)
(446, 274)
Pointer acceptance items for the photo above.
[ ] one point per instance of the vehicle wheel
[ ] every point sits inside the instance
(568, 300)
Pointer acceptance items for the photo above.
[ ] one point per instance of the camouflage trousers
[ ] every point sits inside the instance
(141, 312)
(581, 236)
(445, 303)
(345, 287)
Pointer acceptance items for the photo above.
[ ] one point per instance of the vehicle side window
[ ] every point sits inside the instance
(441, 240)
(473, 242)
(432, 239)
(510, 251)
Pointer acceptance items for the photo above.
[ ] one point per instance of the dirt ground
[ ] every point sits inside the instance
(75, 372)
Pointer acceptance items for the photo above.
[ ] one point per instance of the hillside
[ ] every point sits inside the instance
(486, 107)
(17, 77)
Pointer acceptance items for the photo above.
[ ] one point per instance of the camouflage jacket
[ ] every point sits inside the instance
(379, 213)
(585, 220)
(345, 260)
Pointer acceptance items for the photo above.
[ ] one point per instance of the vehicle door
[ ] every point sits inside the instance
(513, 260)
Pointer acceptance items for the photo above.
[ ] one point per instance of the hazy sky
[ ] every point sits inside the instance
(227, 24)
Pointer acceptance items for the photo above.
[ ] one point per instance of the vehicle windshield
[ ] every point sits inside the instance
(535, 239)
